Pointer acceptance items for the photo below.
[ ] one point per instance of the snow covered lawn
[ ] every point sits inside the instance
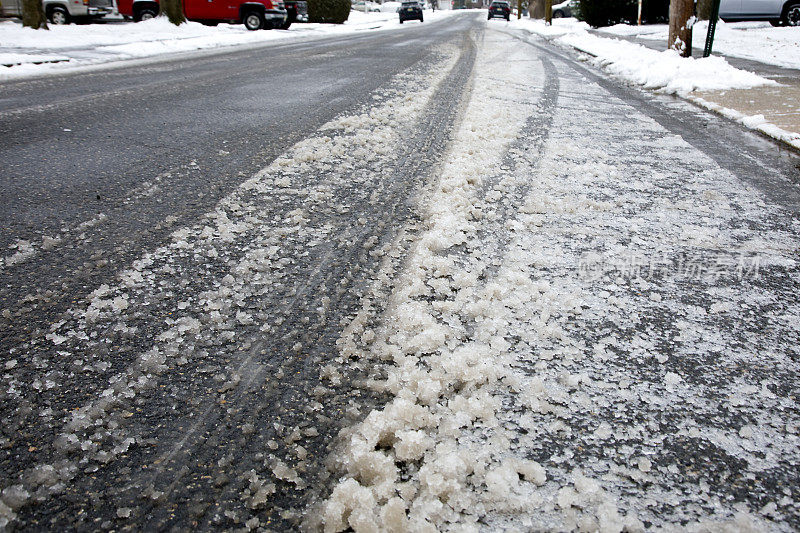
(26, 52)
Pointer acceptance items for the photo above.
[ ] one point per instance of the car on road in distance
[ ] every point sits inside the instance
(62, 11)
(500, 9)
(254, 14)
(410, 11)
(778, 12)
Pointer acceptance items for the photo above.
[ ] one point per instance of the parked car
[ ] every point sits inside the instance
(500, 9)
(296, 11)
(254, 14)
(410, 11)
(390, 7)
(778, 12)
(62, 11)
(370, 7)
(565, 9)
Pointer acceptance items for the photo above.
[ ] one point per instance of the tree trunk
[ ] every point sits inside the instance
(536, 9)
(173, 9)
(33, 15)
(548, 12)
(680, 26)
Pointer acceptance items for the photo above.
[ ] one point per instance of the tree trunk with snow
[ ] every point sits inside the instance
(33, 15)
(173, 9)
(681, 17)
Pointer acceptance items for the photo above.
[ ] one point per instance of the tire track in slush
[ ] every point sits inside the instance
(421, 153)
(401, 465)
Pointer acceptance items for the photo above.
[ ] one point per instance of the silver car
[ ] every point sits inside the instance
(62, 11)
(778, 12)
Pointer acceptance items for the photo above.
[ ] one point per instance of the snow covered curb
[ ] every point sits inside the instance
(754, 122)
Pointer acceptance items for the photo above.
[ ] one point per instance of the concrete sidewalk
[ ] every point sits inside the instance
(760, 108)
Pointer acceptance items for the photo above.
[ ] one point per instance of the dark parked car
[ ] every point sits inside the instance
(500, 9)
(410, 11)
(296, 11)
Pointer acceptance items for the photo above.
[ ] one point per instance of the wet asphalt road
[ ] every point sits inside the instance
(100, 168)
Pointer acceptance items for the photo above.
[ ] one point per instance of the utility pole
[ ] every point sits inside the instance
(680, 27)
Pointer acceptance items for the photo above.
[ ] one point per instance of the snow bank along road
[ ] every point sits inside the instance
(482, 287)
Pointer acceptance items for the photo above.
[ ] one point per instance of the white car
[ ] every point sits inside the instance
(370, 7)
(62, 11)
(778, 12)
(565, 9)
(390, 7)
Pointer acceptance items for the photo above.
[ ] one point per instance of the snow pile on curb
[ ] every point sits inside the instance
(9, 59)
(665, 71)
(759, 41)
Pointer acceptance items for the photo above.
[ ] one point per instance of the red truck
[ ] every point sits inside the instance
(254, 14)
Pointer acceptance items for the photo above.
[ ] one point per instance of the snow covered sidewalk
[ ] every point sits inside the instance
(25, 52)
(759, 102)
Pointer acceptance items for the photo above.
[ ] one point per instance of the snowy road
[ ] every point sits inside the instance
(528, 297)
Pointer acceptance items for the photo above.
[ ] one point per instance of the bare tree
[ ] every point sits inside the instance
(680, 26)
(173, 9)
(33, 15)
